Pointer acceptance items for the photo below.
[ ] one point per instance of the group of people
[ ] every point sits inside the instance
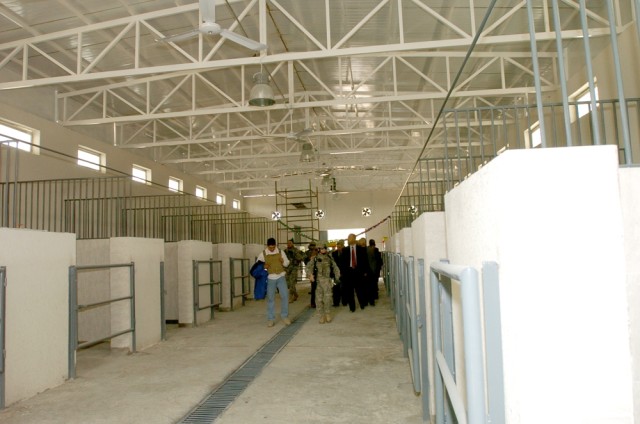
(348, 273)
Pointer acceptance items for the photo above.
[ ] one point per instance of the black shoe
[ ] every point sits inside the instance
(372, 303)
(352, 310)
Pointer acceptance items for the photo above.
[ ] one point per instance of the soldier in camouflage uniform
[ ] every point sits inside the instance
(319, 269)
(295, 257)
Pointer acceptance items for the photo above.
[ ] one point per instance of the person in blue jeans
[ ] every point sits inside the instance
(275, 262)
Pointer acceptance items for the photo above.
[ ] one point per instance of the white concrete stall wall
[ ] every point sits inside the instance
(226, 251)
(630, 199)
(252, 251)
(405, 238)
(37, 309)
(171, 282)
(93, 287)
(185, 253)
(552, 220)
(430, 245)
(147, 255)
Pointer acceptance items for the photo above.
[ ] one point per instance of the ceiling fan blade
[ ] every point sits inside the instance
(243, 41)
(179, 37)
(208, 10)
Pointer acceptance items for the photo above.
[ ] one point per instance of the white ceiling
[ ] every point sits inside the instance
(368, 76)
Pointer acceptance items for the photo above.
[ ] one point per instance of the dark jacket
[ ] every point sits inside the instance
(362, 260)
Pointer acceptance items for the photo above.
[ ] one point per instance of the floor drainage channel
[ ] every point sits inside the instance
(218, 400)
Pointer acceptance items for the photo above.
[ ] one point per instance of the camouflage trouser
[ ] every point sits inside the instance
(324, 296)
(292, 279)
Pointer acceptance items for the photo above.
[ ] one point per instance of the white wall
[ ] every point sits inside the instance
(171, 281)
(147, 255)
(551, 219)
(630, 198)
(37, 309)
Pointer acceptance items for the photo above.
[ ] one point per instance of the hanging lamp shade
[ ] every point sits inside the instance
(261, 93)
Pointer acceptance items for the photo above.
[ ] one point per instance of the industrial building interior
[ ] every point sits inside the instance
(179, 135)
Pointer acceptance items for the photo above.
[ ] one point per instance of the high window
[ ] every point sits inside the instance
(13, 135)
(90, 158)
(175, 184)
(583, 97)
(201, 192)
(220, 199)
(235, 204)
(141, 174)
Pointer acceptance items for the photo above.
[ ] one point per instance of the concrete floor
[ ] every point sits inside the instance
(349, 371)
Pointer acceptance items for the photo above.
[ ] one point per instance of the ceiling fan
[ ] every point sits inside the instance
(208, 26)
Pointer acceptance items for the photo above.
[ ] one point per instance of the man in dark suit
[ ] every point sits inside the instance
(356, 264)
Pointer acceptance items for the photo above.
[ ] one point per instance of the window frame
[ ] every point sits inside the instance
(96, 166)
(203, 190)
(581, 95)
(178, 181)
(137, 179)
(221, 199)
(235, 204)
(32, 136)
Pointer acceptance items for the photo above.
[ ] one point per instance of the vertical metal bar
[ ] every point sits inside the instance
(415, 347)
(196, 292)
(132, 285)
(624, 119)
(211, 281)
(3, 329)
(5, 188)
(16, 167)
(73, 321)
(561, 71)
(233, 282)
(587, 54)
(493, 342)
(536, 73)
(473, 358)
(436, 335)
(636, 5)
(421, 321)
(163, 320)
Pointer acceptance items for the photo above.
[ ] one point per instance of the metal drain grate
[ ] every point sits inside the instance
(218, 400)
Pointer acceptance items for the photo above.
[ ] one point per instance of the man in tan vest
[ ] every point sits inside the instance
(275, 262)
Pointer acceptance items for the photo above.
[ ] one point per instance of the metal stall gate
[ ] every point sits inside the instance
(239, 274)
(478, 351)
(215, 280)
(75, 309)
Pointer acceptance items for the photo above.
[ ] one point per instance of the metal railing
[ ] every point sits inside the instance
(242, 275)
(408, 318)
(163, 313)
(215, 280)
(442, 276)
(41, 204)
(481, 334)
(75, 309)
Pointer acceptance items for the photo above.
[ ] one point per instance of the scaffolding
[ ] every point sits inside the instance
(298, 219)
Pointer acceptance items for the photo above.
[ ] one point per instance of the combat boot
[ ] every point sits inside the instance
(323, 319)
(327, 318)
